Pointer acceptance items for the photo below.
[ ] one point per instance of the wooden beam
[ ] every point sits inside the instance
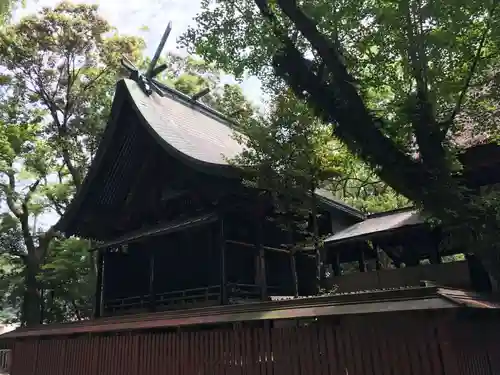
(336, 264)
(293, 269)
(362, 262)
(378, 263)
(261, 257)
(160, 229)
(244, 244)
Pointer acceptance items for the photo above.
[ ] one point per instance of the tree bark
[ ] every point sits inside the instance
(31, 307)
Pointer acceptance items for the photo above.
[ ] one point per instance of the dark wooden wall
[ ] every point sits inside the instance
(409, 343)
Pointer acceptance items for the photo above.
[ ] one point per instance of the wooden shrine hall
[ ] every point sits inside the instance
(406, 239)
(173, 223)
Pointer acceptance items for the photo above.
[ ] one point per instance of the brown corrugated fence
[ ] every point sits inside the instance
(354, 346)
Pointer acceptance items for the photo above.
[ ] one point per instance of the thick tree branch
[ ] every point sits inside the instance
(340, 103)
(9, 190)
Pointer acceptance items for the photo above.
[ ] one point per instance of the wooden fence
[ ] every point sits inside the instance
(355, 346)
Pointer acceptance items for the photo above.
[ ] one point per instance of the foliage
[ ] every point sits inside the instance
(233, 36)
(58, 68)
(68, 281)
(359, 186)
(401, 83)
(6, 8)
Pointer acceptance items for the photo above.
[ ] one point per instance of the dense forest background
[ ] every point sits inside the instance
(407, 86)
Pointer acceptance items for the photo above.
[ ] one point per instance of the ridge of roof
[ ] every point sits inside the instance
(196, 105)
(391, 212)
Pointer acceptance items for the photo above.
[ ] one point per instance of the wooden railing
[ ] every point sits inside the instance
(168, 299)
(188, 296)
(237, 292)
(453, 274)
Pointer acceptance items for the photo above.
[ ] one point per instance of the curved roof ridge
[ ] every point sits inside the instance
(203, 139)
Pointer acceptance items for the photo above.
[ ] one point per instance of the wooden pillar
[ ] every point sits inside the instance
(295, 279)
(261, 254)
(290, 238)
(220, 245)
(378, 263)
(336, 263)
(152, 294)
(362, 263)
(435, 257)
(99, 284)
(434, 242)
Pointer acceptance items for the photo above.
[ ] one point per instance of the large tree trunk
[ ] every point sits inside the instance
(31, 307)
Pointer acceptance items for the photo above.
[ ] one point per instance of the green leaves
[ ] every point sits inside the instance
(59, 69)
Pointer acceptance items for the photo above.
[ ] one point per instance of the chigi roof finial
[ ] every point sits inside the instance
(145, 81)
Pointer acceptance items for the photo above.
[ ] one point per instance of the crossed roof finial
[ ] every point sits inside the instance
(145, 81)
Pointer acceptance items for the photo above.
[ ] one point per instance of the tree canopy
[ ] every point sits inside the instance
(404, 85)
(58, 75)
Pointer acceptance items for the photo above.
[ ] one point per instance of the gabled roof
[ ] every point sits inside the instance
(377, 224)
(187, 130)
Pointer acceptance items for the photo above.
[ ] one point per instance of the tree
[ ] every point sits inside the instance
(291, 154)
(400, 83)
(60, 71)
(6, 7)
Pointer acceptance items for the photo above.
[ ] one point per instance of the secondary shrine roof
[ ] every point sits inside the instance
(378, 223)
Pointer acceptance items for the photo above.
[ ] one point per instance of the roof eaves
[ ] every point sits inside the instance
(64, 224)
(336, 304)
(327, 199)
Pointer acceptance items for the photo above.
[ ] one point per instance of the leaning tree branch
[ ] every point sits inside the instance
(340, 104)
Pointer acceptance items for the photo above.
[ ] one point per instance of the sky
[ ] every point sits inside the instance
(130, 17)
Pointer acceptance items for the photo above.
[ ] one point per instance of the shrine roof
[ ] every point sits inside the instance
(196, 135)
(383, 222)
